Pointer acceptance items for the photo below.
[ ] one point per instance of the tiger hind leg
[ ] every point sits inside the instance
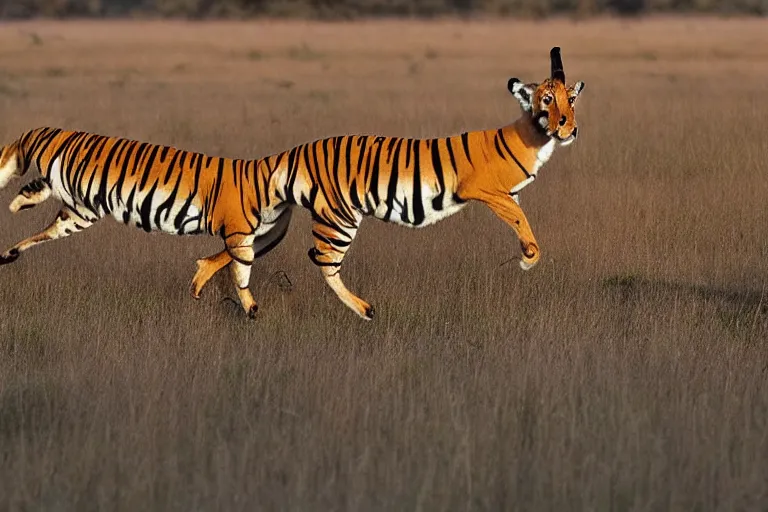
(331, 244)
(67, 222)
(208, 267)
(240, 250)
(30, 195)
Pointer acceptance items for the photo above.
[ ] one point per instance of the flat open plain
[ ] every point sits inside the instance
(627, 371)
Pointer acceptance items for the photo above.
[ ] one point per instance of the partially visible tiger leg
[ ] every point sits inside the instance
(66, 223)
(331, 244)
(206, 268)
(273, 234)
(240, 250)
(30, 195)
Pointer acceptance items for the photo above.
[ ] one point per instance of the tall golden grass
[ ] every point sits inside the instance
(627, 371)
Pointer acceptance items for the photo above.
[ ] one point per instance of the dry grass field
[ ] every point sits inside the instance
(627, 371)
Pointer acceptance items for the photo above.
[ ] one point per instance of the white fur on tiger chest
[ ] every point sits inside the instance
(542, 157)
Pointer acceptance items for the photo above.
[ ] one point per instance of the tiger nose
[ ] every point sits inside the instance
(562, 120)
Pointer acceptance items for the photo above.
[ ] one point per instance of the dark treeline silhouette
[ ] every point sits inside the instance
(346, 9)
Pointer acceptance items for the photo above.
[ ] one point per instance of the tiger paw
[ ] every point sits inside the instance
(9, 257)
(196, 289)
(531, 255)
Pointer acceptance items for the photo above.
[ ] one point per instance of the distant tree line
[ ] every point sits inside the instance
(348, 9)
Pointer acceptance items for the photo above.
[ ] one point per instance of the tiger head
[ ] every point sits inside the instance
(550, 105)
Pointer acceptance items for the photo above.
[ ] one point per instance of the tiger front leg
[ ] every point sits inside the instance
(30, 195)
(506, 208)
(331, 244)
(66, 223)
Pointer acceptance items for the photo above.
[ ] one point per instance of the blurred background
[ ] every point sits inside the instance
(364, 8)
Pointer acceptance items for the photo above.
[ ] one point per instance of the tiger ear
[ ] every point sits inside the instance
(522, 92)
(575, 90)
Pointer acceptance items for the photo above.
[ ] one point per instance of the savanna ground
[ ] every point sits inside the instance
(627, 371)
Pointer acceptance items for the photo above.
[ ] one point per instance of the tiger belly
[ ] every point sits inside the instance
(150, 209)
(449, 208)
(412, 210)
(176, 216)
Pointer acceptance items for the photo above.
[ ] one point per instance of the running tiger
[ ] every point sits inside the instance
(413, 182)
